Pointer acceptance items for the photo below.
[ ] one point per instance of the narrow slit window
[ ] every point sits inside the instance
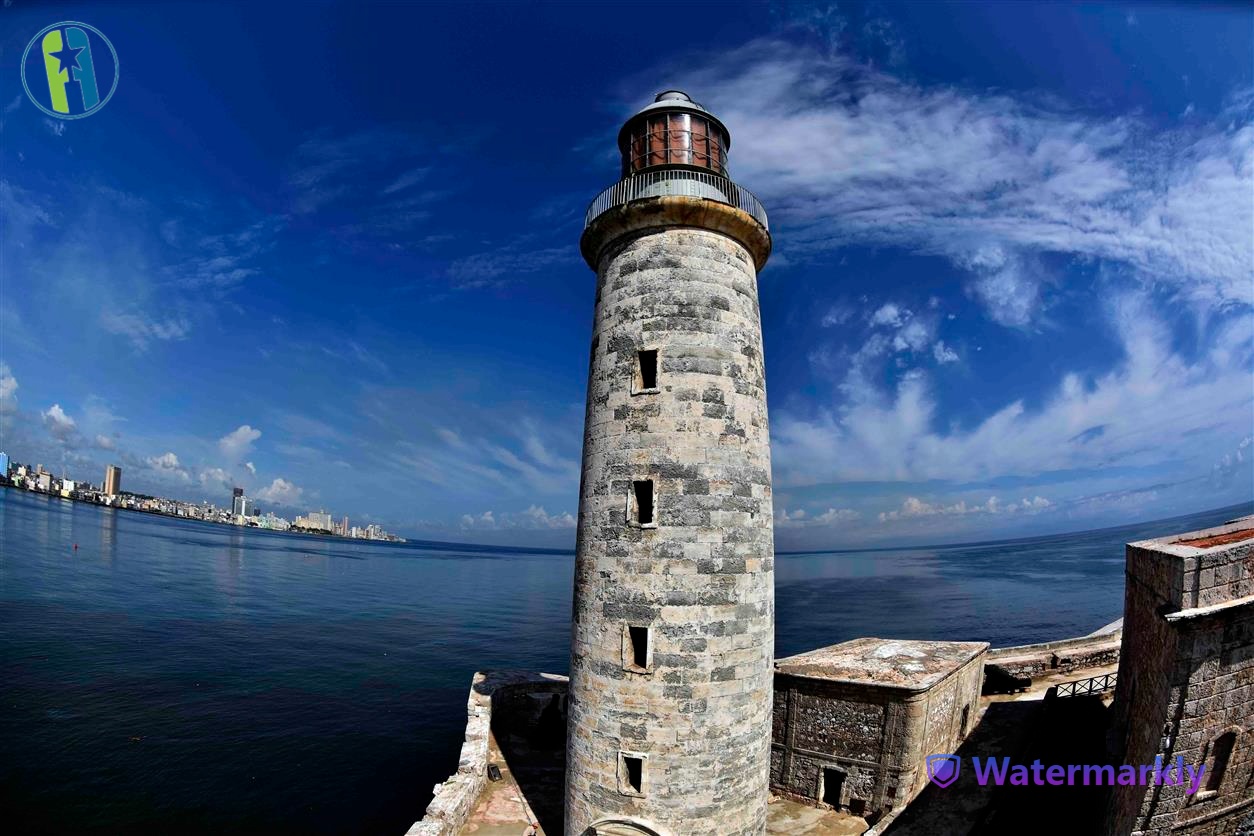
(648, 369)
(643, 494)
(1221, 752)
(638, 638)
(633, 773)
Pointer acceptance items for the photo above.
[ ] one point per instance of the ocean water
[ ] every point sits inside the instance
(180, 677)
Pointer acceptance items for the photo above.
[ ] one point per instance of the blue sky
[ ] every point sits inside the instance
(329, 252)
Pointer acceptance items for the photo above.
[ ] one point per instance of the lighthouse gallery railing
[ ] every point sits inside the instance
(676, 182)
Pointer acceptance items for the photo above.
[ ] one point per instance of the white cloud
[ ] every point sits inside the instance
(8, 391)
(534, 518)
(1152, 394)
(168, 465)
(484, 520)
(61, 426)
(888, 314)
(251, 468)
(281, 492)
(943, 353)
(1234, 463)
(833, 515)
(837, 315)
(539, 518)
(215, 478)
(237, 443)
(1007, 286)
(845, 154)
(104, 442)
(142, 331)
(915, 507)
(800, 517)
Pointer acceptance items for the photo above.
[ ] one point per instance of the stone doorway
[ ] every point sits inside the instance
(833, 786)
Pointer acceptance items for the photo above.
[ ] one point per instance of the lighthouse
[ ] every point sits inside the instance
(673, 623)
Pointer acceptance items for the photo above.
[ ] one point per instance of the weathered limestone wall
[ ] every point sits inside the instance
(702, 579)
(1186, 680)
(1092, 651)
(454, 799)
(876, 736)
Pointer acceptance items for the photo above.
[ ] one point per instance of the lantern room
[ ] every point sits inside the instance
(674, 131)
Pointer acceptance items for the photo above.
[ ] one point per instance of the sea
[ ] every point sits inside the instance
(168, 676)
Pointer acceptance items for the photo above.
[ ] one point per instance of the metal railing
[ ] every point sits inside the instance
(675, 182)
(1081, 687)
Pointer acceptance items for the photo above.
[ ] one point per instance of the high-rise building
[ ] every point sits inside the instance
(673, 634)
(239, 503)
(4, 465)
(113, 480)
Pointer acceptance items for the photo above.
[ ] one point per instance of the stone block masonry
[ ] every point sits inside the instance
(670, 721)
(854, 722)
(1186, 681)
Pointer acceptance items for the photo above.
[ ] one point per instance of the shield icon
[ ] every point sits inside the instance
(943, 769)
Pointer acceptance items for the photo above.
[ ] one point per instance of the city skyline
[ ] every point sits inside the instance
(331, 299)
(242, 510)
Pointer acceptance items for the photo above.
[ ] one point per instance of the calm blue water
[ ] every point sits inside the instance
(183, 677)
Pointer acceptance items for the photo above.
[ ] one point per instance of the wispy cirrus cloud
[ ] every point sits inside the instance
(142, 329)
(846, 154)
(507, 263)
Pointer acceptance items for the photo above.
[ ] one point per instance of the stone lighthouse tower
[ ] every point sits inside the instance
(672, 641)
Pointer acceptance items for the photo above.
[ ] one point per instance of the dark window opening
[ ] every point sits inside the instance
(639, 638)
(633, 771)
(833, 783)
(648, 369)
(966, 717)
(1221, 753)
(644, 501)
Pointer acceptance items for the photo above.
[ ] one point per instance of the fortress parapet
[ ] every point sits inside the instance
(1186, 680)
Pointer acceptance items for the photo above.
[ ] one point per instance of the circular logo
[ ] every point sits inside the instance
(70, 70)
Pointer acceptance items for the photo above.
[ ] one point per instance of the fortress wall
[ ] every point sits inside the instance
(1095, 650)
(1186, 682)
(455, 798)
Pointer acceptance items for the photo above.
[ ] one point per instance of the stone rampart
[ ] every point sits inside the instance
(1095, 650)
(455, 798)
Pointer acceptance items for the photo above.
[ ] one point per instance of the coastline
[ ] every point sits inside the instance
(156, 512)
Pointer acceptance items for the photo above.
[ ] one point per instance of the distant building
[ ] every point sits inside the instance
(239, 502)
(113, 480)
(316, 521)
(44, 481)
(273, 523)
(4, 465)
